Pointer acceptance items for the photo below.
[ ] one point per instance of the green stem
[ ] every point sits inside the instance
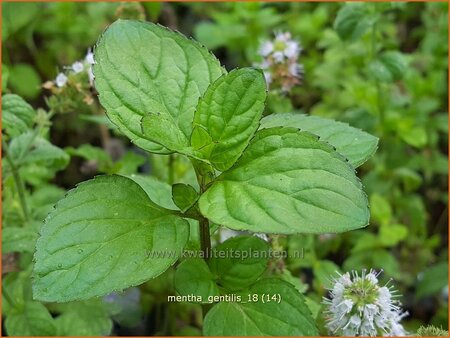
(205, 238)
(171, 169)
(18, 182)
(7, 297)
(204, 231)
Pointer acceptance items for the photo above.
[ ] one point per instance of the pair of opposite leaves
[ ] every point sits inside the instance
(279, 180)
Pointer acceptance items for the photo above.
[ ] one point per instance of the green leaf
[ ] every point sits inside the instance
(17, 115)
(239, 261)
(91, 153)
(43, 199)
(153, 9)
(287, 182)
(313, 306)
(380, 209)
(324, 272)
(379, 71)
(17, 16)
(17, 287)
(18, 239)
(28, 149)
(129, 163)
(184, 196)
(24, 80)
(127, 308)
(229, 113)
(375, 258)
(210, 34)
(432, 280)
(354, 144)
(99, 239)
(389, 67)
(193, 277)
(287, 276)
(144, 68)
(88, 318)
(391, 235)
(290, 317)
(395, 62)
(33, 319)
(159, 192)
(415, 136)
(352, 21)
(163, 130)
(409, 177)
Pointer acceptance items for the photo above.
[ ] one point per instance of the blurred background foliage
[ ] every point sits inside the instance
(381, 67)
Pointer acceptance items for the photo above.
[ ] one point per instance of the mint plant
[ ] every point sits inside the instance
(285, 174)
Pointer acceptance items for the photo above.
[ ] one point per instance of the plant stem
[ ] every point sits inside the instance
(8, 297)
(205, 238)
(171, 177)
(18, 181)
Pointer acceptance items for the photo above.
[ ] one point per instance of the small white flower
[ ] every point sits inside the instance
(338, 290)
(292, 49)
(345, 279)
(61, 80)
(293, 69)
(346, 305)
(372, 277)
(280, 62)
(278, 56)
(283, 37)
(77, 67)
(359, 306)
(266, 48)
(89, 57)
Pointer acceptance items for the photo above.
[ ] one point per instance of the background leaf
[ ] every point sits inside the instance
(28, 149)
(184, 196)
(193, 277)
(239, 261)
(87, 318)
(33, 319)
(18, 239)
(352, 21)
(24, 80)
(433, 280)
(390, 66)
(291, 317)
(17, 115)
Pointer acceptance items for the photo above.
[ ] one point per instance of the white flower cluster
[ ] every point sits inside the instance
(78, 67)
(280, 62)
(359, 306)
